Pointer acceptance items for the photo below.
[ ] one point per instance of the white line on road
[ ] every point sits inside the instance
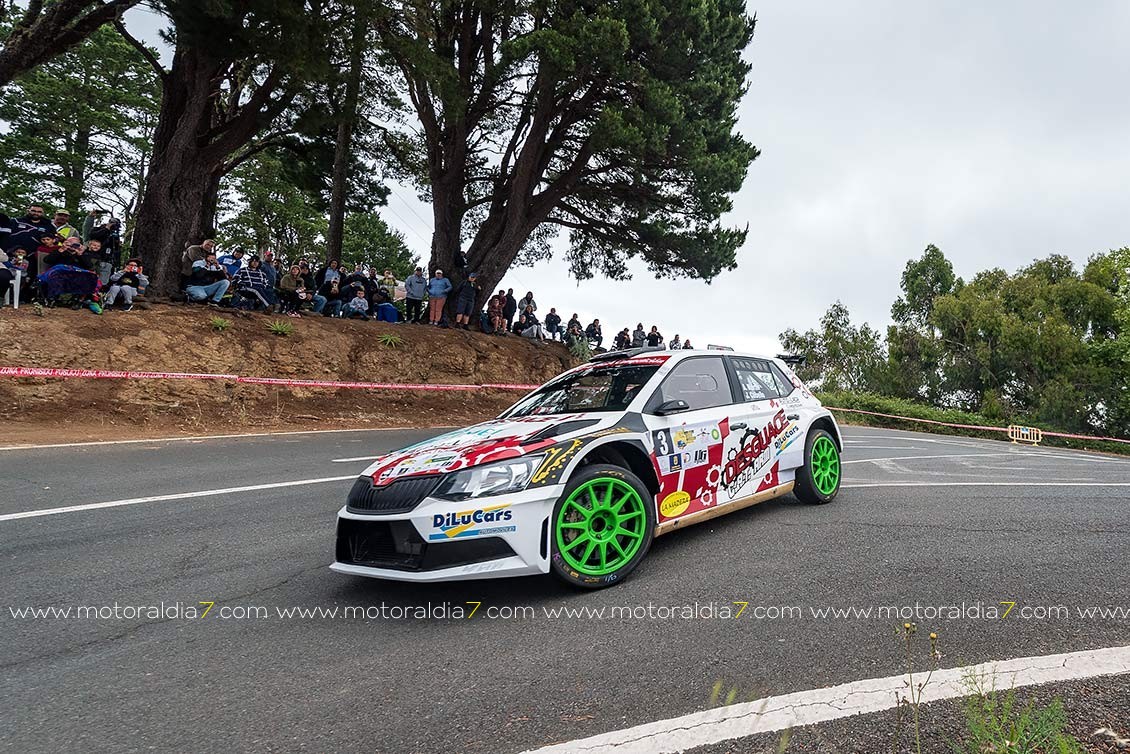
(943, 455)
(352, 460)
(174, 496)
(189, 438)
(778, 713)
(987, 484)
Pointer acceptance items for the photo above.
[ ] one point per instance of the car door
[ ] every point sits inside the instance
(688, 445)
(758, 457)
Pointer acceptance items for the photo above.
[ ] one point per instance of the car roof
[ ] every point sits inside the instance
(678, 354)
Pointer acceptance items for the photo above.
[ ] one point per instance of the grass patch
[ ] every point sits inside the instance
(902, 407)
(997, 724)
(280, 327)
(389, 340)
(219, 324)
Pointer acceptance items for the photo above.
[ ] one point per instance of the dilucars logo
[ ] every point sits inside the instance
(470, 523)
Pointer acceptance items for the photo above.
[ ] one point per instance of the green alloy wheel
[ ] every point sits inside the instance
(601, 527)
(818, 480)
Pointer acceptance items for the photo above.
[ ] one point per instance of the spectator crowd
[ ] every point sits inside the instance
(49, 260)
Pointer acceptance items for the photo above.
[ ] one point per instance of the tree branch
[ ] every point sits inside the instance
(145, 52)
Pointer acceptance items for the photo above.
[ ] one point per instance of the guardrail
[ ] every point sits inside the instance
(1018, 434)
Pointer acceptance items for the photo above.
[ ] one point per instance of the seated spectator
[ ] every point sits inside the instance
(194, 254)
(494, 313)
(328, 300)
(307, 276)
(438, 288)
(529, 326)
(553, 323)
(70, 253)
(465, 300)
(575, 321)
(594, 333)
(623, 340)
(387, 285)
(208, 281)
(676, 343)
(639, 336)
(655, 338)
(292, 292)
(358, 306)
(109, 233)
(573, 334)
(127, 283)
(387, 312)
(687, 345)
(253, 288)
(100, 260)
(67, 275)
(233, 262)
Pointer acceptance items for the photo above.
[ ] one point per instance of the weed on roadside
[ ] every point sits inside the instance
(389, 340)
(997, 725)
(219, 324)
(280, 327)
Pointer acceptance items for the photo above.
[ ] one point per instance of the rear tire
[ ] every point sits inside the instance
(601, 527)
(818, 480)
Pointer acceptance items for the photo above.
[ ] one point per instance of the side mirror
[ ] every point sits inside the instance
(672, 407)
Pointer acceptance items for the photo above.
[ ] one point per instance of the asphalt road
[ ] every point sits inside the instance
(1050, 532)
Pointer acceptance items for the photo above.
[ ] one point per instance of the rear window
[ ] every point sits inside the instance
(600, 389)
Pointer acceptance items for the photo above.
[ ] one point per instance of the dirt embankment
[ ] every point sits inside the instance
(181, 339)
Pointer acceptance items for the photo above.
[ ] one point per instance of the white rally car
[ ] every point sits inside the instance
(580, 475)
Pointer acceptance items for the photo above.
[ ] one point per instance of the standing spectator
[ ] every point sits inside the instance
(208, 281)
(687, 345)
(415, 288)
(553, 323)
(126, 283)
(99, 260)
(62, 225)
(594, 333)
(639, 336)
(575, 321)
(37, 218)
(655, 338)
(527, 300)
(109, 233)
(272, 273)
(387, 284)
(494, 313)
(465, 300)
(92, 220)
(292, 292)
(438, 288)
(327, 301)
(623, 340)
(194, 254)
(233, 262)
(675, 344)
(509, 309)
(253, 286)
(358, 306)
(327, 272)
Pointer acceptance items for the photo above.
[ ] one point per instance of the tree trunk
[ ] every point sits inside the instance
(342, 150)
(75, 190)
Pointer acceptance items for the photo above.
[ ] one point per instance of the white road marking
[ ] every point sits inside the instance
(212, 437)
(987, 484)
(778, 713)
(174, 496)
(912, 458)
(885, 447)
(353, 460)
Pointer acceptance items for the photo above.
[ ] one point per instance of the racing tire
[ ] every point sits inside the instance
(601, 527)
(818, 480)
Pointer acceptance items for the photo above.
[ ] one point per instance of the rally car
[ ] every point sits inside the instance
(579, 476)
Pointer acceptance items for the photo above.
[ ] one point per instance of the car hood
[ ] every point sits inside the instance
(494, 440)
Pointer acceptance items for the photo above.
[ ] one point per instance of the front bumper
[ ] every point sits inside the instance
(439, 540)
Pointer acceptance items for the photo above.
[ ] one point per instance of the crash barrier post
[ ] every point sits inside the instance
(1018, 433)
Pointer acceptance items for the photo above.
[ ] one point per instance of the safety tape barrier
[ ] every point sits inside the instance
(1044, 433)
(101, 374)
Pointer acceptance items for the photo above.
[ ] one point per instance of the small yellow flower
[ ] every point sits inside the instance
(933, 637)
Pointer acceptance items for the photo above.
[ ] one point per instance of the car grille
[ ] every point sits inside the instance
(397, 545)
(401, 496)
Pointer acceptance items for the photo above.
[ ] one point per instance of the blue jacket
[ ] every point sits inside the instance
(439, 287)
(415, 286)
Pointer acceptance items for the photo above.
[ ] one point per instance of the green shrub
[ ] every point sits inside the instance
(388, 340)
(219, 324)
(280, 327)
(996, 724)
(581, 350)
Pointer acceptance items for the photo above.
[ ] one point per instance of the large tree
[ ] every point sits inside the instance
(36, 31)
(238, 67)
(77, 126)
(613, 120)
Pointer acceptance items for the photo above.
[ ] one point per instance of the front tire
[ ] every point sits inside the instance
(601, 527)
(818, 480)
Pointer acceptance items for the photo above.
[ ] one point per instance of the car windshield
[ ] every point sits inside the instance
(602, 388)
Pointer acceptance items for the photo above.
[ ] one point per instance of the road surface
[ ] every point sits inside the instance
(937, 522)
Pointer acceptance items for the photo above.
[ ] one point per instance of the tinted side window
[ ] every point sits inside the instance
(756, 379)
(784, 383)
(701, 382)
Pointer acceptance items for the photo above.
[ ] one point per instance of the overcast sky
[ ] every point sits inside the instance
(996, 131)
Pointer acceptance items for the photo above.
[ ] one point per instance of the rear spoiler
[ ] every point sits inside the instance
(793, 359)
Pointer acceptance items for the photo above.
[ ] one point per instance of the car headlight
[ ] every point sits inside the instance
(490, 479)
